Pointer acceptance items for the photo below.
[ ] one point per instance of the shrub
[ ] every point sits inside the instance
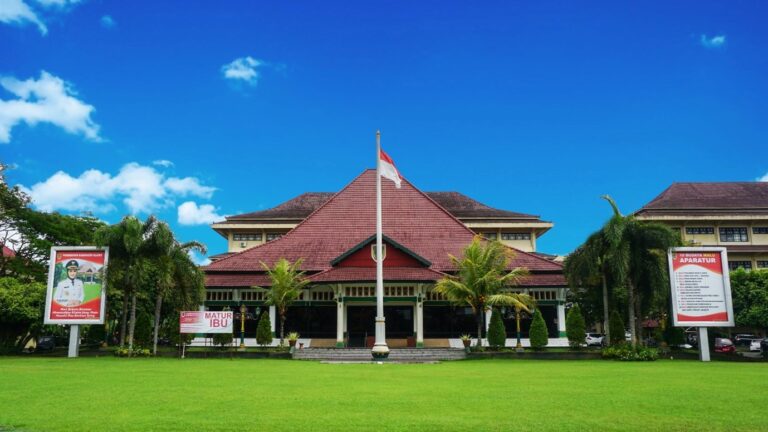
(264, 330)
(625, 352)
(497, 334)
(616, 326)
(138, 352)
(222, 339)
(575, 327)
(538, 332)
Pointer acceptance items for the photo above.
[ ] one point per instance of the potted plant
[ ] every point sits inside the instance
(292, 338)
(466, 340)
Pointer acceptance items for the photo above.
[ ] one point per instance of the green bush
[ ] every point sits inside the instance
(538, 332)
(575, 327)
(497, 334)
(94, 335)
(264, 330)
(138, 352)
(142, 333)
(172, 331)
(617, 330)
(222, 339)
(625, 352)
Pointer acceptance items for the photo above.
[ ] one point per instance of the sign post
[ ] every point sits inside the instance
(701, 291)
(76, 291)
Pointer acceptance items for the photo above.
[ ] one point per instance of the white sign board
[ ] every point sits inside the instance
(701, 288)
(206, 322)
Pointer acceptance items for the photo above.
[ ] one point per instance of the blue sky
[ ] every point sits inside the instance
(121, 107)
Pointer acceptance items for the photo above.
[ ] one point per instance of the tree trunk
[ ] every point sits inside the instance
(606, 318)
(638, 319)
(480, 320)
(631, 301)
(158, 307)
(282, 328)
(124, 320)
(132, 327)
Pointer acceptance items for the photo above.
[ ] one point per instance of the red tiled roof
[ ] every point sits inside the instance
(537, 280)
(463, 206)
(409, 218)
(368, 274)
(710, 198)
(236, 279)
(7, 252)
(295, 208)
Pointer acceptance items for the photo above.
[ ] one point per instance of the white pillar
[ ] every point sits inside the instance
(561, 319)
(74, 340)
(419, 324)
(272, 318)
(339, 324)
(488, 314)
(703, 344)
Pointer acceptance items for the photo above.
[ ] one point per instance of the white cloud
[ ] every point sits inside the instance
(198, 259)
(48, 99)
(763, 178)
(163, 163)
(712, 42)
(243, 69)
(18, 12)
(108, 22)
(192, 214)
(142, 189)
(57, 3)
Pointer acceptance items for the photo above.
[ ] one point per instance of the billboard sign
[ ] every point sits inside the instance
(206, 322)
(76, 285)
(701, 289)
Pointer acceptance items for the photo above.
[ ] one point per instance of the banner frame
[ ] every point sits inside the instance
(726, 287)
(49, 289)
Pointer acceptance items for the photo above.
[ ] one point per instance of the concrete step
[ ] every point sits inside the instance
(364, 354)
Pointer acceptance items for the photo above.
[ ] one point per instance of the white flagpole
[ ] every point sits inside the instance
(380, 348)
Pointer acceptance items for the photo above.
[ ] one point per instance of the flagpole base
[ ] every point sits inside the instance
(380, 352)
(380, 349)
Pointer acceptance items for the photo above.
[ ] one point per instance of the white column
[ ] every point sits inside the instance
(419, 323)
(272, 318)
(703, 344)
(339, 324)
(561, 319)
(488, 314)
(74, 340)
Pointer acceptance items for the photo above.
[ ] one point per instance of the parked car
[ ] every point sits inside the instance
(755, 345)
(724, 345)
(594, 339)
(744, 339)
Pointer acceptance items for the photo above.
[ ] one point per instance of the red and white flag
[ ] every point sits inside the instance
(387, 169)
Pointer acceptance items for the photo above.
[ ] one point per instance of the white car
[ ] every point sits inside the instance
(755, 345)
(594, 339)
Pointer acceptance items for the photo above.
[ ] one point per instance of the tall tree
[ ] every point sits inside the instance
(287, 282)
(173, 273)
(482, 279)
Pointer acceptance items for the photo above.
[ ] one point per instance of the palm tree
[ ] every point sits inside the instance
(287, 283)
(591, 262)
(637, 256)
(481, 279)
(175, 273)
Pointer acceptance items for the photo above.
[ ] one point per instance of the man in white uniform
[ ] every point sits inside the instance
(69, 291)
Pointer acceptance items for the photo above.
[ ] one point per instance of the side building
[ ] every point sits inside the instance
(333, 234)
(732, 214)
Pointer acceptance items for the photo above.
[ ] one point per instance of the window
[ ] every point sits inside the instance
(490, 235)
(273, 236)
(760, 230)
(699, 230)
(733, 234)
(246, 236)
(762, 264)
(515, 236)
(746, 265)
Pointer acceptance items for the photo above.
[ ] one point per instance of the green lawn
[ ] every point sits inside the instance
(51, 394)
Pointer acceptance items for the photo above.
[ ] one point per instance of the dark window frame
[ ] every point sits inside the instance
(734, 234)
(699, 230)
(515, 236)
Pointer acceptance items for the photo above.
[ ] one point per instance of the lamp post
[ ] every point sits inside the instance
(243, 312)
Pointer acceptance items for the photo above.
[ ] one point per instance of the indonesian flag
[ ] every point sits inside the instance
(387, 169)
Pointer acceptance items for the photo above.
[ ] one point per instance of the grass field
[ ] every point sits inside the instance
(85, 394)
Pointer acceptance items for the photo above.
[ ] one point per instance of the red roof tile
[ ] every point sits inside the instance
(7, 252)
(295, 208)
(213, 280)
(710, 198)
(409, 218)
(368, 274)
(463, 206)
